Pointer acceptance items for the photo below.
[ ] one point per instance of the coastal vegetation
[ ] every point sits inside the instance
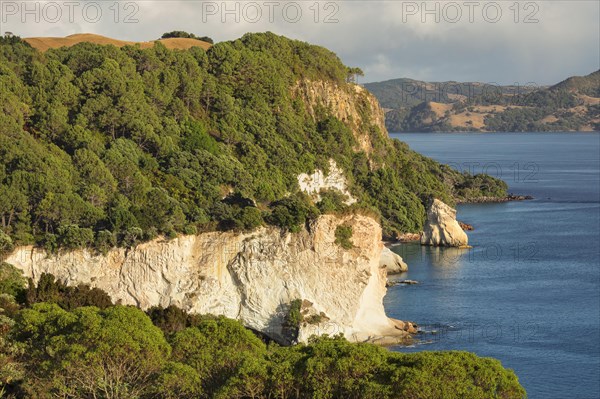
(343, 234)
(104, 146)
(55, 342)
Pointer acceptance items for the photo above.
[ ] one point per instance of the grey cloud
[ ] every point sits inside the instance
(374, 36)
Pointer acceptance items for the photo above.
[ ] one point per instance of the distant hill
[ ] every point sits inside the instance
(403, 92)
(417, 106)
(589, 85)
(45, 43)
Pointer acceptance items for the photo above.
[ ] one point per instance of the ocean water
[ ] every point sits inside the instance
(528, 293)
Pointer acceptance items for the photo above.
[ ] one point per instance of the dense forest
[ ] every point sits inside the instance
(103, 146)
(72, 342)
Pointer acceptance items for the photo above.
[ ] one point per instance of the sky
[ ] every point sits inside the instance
(502, 42)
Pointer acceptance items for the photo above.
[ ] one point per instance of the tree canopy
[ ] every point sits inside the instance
(103, 146)
(52, 349)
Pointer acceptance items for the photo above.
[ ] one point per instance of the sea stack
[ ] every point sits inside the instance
(442, 228)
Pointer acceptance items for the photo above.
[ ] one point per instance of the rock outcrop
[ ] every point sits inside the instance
(392, 262)
(466, 226)
(353, 105)
(252, 277)
(441, 227)
(334, 180)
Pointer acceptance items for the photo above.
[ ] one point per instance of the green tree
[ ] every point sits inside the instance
(292, 213)
(73, 236)
(232, 347)
(179, 33)
(6, 243)
(178, 381)
(112, 353)
(293, 319)
(12, 281)
(50, 290)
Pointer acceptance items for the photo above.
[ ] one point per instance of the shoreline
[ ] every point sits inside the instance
(491, 200)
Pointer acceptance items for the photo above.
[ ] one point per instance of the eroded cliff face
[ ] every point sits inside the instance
(250, 277)
(353, 105)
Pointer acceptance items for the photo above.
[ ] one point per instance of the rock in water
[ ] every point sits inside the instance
(441, 227)
(392, 261)
(466, 226)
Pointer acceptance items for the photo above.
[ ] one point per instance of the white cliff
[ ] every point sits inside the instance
(441, 227)
(334, 180)
(251, 277)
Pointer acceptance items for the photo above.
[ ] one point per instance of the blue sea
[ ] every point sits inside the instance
(528, 292)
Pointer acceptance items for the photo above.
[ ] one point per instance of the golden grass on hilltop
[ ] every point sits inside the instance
(467, 120)
(587, 100)
(45, 43)
(439, 108)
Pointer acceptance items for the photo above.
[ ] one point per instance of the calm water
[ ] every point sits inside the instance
(528, 293)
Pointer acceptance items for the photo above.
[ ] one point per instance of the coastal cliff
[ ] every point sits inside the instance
(251, 277)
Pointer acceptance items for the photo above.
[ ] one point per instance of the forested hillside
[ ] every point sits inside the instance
(58, 341)
(103, 146)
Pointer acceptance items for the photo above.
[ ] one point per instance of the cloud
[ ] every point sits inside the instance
(436, 41)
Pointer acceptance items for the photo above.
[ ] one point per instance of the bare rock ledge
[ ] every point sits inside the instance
(393, 262)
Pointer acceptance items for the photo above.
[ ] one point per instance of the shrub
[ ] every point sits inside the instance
(6, 243)
(50, 243)
(73, 236)
(12, 281)
(331, 201)
(131, 237)
(292, 213)
(48, 289)
(294, 317)
(105, 241)
(171, 319)
(343, 234)
(250, 218)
